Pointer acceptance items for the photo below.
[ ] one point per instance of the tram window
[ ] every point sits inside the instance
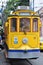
(25, 24)
(13, 24)
(35, 25)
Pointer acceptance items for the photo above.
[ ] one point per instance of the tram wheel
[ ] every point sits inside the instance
(41, 50)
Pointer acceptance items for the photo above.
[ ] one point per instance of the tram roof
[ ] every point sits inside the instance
(24, 15)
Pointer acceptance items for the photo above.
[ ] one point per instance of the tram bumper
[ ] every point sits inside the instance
(23, 54)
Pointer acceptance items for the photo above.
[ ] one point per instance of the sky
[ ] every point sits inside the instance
(37, 4)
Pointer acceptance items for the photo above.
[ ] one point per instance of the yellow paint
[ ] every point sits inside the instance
(41, 46)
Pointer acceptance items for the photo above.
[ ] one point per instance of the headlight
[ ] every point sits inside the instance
(15, 40)
(25, 40)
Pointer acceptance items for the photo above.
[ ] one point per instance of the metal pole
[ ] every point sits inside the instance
(28, 1)
(2, 12)
(33, 5)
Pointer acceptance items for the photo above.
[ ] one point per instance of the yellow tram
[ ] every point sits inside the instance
(22, 34)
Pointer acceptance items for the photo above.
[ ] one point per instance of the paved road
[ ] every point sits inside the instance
(38, 61)
(2, 59)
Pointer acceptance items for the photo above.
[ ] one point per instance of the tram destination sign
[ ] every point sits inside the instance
(24, 13)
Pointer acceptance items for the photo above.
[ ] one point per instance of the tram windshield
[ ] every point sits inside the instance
(25, 24)
(13, 24)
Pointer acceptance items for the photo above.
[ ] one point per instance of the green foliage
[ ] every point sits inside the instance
(24, 2)
(12, 4)
(9, 7)
(0, 22)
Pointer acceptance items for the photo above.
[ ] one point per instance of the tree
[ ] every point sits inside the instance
(12, 4)
(9, 7)
(24, 2)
